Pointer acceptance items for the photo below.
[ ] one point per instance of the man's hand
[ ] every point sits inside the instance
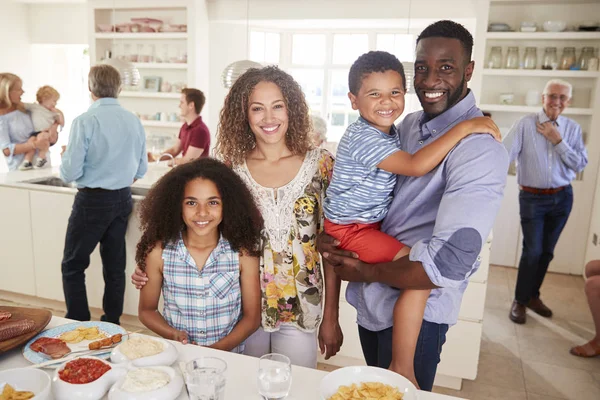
(350, 269)
(549, 131)
(139, 278)
(330, 336)
(328, 244)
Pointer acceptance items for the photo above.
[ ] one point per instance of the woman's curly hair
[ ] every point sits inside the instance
(235, 139)
(161, 211)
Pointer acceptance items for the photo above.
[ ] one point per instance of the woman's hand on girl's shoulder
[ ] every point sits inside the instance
(139, 278)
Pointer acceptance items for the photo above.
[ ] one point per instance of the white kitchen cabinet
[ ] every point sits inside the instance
(16, 266)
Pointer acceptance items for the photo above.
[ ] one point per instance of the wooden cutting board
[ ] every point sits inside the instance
(40, 316)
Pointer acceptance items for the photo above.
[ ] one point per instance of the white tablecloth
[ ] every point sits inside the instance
(241, 372)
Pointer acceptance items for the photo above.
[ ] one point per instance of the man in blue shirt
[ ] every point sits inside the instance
(444, 216)
(549, 151)
(105, 155)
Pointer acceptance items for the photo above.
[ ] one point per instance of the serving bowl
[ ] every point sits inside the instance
(348, 375)
(167, 392)
(33, 380)
(94, 390)
(166, 357)
(554, 26)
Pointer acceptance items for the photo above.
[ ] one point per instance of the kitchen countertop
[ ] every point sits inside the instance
(241, 372)
(17, 179)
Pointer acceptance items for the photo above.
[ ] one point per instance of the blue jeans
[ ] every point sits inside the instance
(377, 349)
(543, 217)
(98, 216)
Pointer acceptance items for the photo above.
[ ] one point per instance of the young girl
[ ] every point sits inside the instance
(201, 234)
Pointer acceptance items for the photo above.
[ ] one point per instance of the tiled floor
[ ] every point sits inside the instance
(518, 362)
(532, 361)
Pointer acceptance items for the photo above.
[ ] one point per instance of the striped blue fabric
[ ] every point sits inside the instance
(540, 164)
(359, 191)
(206, 304)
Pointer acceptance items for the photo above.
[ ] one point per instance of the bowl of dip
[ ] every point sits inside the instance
(147, 383)
(144, 351)
(86, 378)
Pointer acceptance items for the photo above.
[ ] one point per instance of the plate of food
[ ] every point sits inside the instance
(23, 384)
(19, 324)
(144, 351)
(147, 384)
(75, 337)
(84, 378)
(361, 383)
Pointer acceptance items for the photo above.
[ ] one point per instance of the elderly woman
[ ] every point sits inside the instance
(15, 124)
(318, 134)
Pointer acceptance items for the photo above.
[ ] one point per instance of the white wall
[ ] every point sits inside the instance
(16, 53)
(58, 23)
(228, 28)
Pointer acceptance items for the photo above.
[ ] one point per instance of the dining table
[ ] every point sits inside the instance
(241, 374)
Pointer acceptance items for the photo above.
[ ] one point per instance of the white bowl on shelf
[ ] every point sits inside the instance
(554, 26)
(164, 358)
(348, 375)
(168, 392)
(29, 379)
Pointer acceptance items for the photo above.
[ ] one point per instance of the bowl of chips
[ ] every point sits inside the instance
(24, 384)
(362, 383)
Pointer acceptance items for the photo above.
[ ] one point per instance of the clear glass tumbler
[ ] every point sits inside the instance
(205, 378)
(274, 376)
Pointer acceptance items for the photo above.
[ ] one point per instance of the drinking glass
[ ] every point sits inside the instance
(274, 376)
(205, 378)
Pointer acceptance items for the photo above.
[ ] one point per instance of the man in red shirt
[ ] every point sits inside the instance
(194, 137)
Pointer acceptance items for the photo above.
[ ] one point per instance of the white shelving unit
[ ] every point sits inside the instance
(150, 95)
(155, 65)
(541, 73)
(161, 124)
(532, 109)
(162, 48)
(585, 110)
(142, 36)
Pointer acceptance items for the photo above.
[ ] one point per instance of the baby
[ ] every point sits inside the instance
(45, 117)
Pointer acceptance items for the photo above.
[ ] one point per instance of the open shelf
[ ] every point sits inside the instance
(554, 73)
(544, 35)
(161, 65)
(161, 124)
(153, 95)
(532, 109)
(143, 35)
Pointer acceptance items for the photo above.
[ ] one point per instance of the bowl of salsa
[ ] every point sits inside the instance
(84, 378)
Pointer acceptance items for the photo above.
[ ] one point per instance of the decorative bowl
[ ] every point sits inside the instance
(554, 26)
(348, 375)
(30, 379)
(94, 390)
(166, 357)
(167, 392)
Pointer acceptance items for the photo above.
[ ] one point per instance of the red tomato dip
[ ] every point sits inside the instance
(83, 370)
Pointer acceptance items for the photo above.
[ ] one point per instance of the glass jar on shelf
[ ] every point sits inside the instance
(550, 59)
(530, 60)
(512, 58)
(594, 61)
(584, 58)
(495, 58)
(568, 58)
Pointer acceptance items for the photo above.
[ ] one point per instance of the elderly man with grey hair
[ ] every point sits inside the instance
(549, 151)
(105, 155)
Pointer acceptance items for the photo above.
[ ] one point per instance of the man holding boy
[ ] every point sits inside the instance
(444, 216)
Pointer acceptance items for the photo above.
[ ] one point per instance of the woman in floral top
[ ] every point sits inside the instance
(263, 134)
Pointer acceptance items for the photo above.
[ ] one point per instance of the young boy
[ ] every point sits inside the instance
(45, 117)
(364, 176)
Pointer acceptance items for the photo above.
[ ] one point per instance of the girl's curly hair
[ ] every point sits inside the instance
(161, 211)
(235, 139)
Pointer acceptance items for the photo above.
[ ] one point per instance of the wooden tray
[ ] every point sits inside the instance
(40, 316)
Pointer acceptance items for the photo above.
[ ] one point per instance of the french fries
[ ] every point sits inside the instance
(82, 333)
(367, 391)
(9, 393)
